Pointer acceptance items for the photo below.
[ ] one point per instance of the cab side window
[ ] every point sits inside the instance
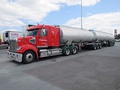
(43, 32)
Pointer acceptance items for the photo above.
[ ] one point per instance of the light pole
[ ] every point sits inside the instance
(81, 14)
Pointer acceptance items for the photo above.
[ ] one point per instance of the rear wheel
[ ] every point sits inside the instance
(97, 46)
(100, 46)
(94, 47)
(28, 57)
(74, 50)
(109, 43)
(66, 51)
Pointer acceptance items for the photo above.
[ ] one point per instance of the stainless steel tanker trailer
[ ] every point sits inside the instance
(45, 40)
(86, 38)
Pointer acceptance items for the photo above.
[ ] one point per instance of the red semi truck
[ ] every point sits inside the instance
(46, 40)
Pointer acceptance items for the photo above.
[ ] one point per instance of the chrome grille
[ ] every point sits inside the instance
(13, 45)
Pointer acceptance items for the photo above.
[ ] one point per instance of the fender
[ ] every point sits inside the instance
(27, 47)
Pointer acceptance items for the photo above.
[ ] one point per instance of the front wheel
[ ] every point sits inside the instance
(28, 57)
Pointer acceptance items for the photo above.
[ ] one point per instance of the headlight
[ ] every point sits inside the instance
(18, 48)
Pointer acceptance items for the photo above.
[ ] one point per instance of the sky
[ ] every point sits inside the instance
(101, 15)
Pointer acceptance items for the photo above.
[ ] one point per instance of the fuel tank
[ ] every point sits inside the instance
(72, 34)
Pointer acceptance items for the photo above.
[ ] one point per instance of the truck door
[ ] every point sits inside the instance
(43, 41)
(54, 37)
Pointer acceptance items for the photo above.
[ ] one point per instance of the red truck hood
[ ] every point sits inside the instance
(24, 40)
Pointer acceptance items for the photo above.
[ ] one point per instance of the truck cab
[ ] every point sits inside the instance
(36, 43)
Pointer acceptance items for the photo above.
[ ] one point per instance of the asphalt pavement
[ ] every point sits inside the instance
(87, 70)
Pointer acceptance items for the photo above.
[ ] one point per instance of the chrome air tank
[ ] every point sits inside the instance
(71, 34)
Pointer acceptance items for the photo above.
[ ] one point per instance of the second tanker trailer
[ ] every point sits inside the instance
(45, 40)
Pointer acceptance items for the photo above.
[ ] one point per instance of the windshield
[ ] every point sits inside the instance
(32, 32)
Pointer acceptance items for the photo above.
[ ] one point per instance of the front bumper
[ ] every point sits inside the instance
(14, 56)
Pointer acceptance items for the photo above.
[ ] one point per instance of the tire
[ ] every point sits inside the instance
(109, 44)
(113, 44)
(94, 47)
(100, 46)
(97, 46)
(74, 50)
(28, 57)
(66, 51)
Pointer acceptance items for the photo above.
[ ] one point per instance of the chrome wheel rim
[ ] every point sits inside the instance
(74, 50)
(29, 57)
(67, 52)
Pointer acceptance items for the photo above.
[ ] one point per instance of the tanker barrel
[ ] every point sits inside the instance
(73, 34)
(104, 36)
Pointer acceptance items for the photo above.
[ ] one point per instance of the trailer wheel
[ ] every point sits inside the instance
(110, 44)
(66, 51)
(94, 47)
(97, 46)
(100, 46)
(28, 57)
(74, 50)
